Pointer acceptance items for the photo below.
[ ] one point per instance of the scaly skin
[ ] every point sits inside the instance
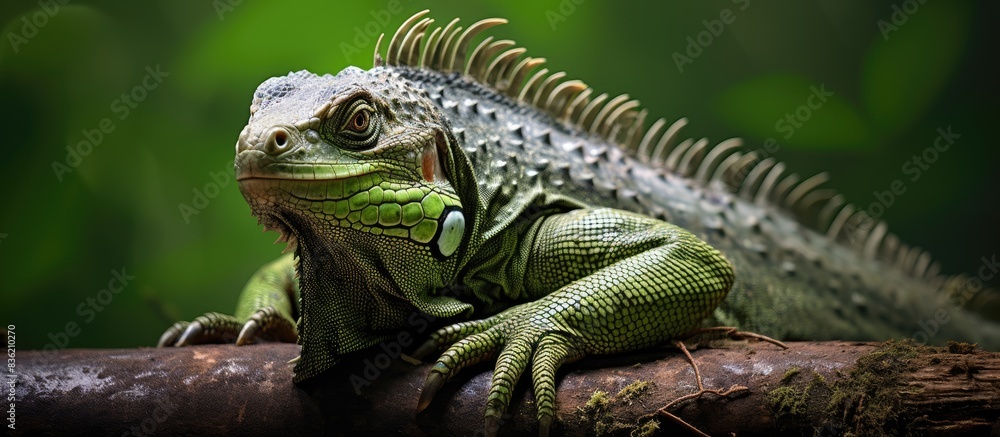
(588, 297)
(396, 183)
(386, 217)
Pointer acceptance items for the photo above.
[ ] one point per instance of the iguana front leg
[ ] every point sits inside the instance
(617, 281)
(266, 310)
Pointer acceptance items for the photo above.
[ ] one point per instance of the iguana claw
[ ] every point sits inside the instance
(491, 426)
(267, 324)
(433, 383)
(264, 324)
(248, 333)
(169, 336)
(544, 424)
(190, 334)
(207, 328)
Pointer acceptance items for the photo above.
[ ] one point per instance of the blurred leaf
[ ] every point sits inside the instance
(903, 75)
(777, 106)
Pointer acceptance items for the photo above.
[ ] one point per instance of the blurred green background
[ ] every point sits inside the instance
(119, 208)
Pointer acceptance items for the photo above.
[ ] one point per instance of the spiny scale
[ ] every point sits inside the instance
(620, 121)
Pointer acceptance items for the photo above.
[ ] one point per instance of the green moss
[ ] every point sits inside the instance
(869, 400)
(612, 427)
(787, 400)
(793, 402)
(789, 374)
(598, 403)
(596, 411)
(818, 381)
(632, 391)
(648, 428)
(864, 400)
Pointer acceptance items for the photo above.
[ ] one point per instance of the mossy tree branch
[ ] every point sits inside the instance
(864, 388)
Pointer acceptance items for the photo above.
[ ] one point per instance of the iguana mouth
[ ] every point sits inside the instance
(299, 171)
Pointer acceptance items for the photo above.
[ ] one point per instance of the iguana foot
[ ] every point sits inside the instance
(516, 337)
(263, 325)
(207, 328)
(266, 311)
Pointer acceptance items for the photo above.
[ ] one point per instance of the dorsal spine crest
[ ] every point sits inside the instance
(504, 67)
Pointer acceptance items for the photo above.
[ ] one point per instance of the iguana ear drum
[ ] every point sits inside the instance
(451, 231)
(432, 159)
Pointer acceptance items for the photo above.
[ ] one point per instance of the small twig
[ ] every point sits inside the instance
(697, 373)
(701, 392)
(682, 423)
(736, 334)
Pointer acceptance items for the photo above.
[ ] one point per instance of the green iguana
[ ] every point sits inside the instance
(572, 227)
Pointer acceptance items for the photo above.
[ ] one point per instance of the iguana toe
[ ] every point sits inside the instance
(424, 350)
(550, 353)
(448, 335)
(512, 361)
(169, 336)
(266, 324)
(207, 328)
(468, 351)
(518, 338)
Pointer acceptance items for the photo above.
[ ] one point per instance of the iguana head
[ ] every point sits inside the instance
(357, 173)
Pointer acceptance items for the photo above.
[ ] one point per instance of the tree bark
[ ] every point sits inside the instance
(839, 387)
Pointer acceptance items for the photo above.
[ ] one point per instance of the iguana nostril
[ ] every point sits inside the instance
(278, 141)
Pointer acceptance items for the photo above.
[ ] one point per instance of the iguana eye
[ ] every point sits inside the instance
(360, 121)
(360, 124)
